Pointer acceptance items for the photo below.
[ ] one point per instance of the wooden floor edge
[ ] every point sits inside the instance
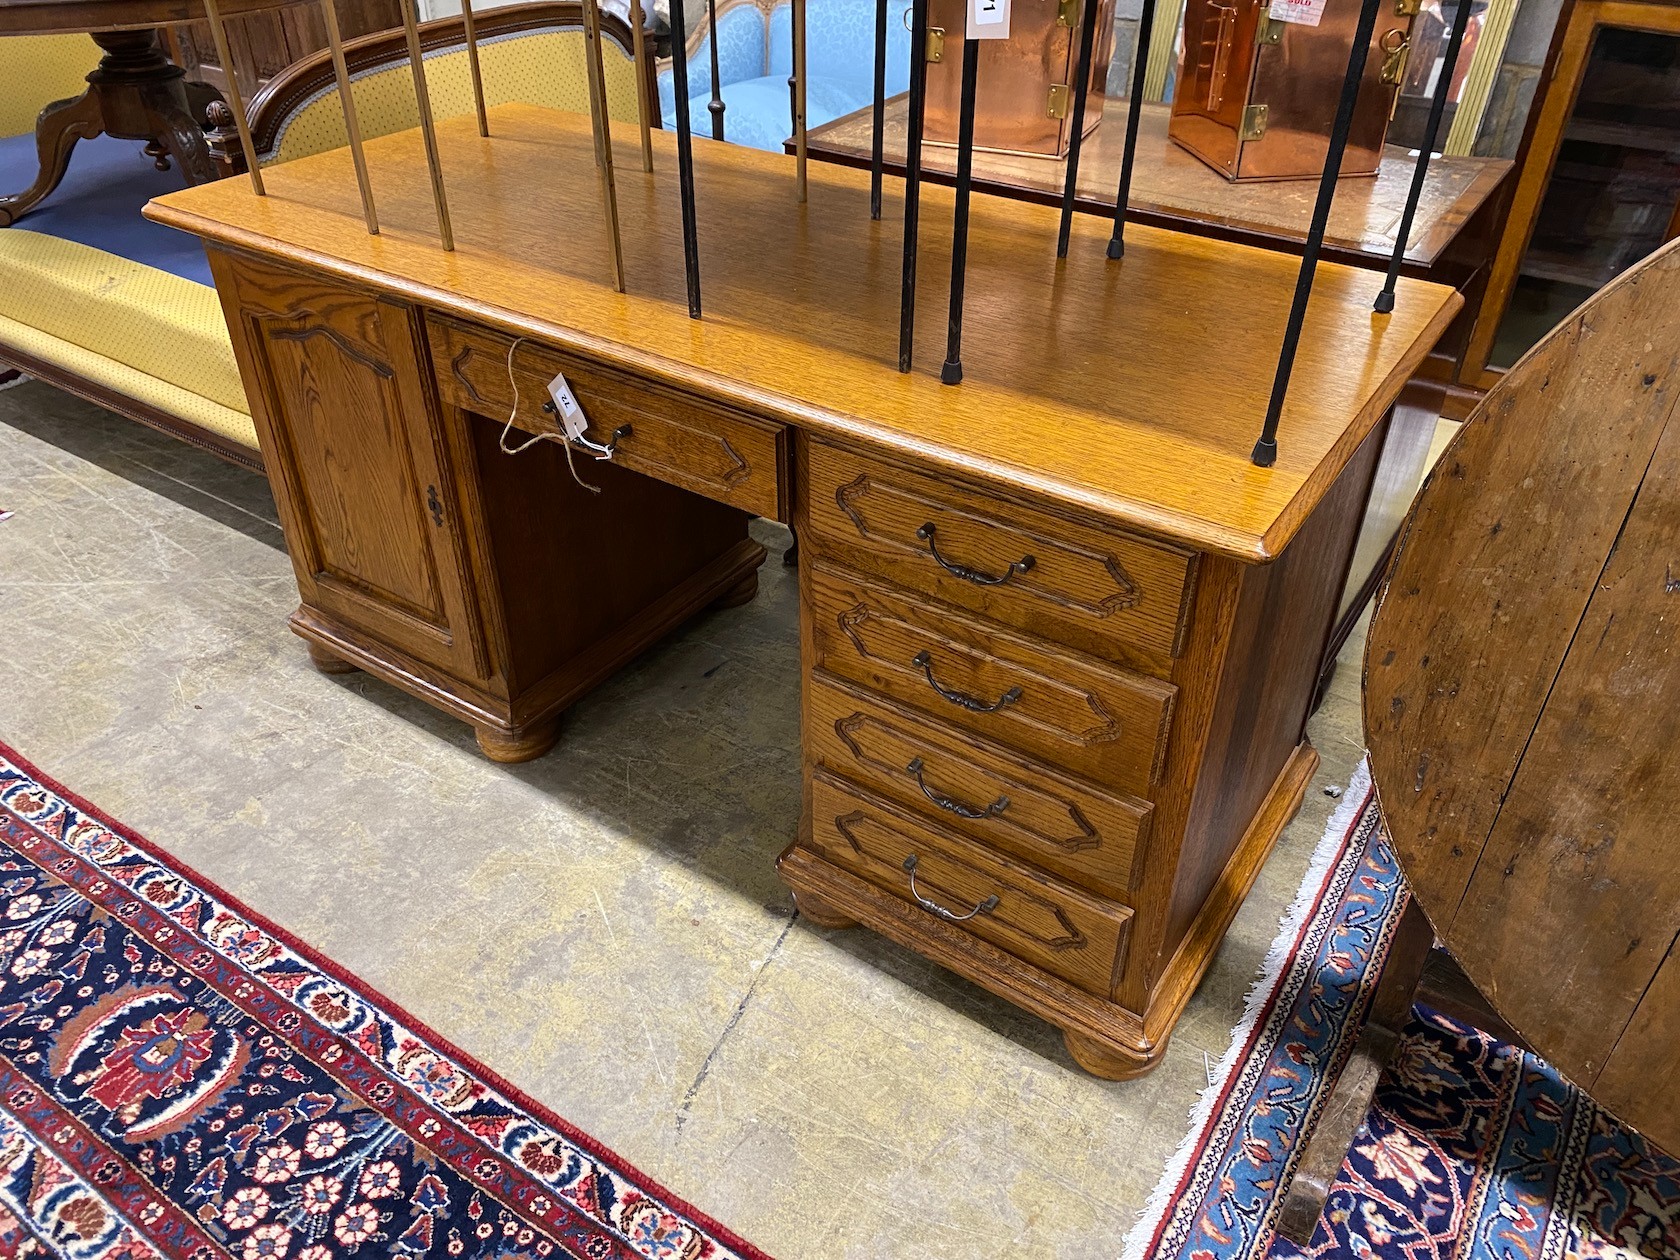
(1195, 952)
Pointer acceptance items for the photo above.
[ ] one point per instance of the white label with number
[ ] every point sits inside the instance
(572, 419)
(988, 19)
(1302, 12)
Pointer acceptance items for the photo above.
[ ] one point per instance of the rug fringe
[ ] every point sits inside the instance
(1271, 975)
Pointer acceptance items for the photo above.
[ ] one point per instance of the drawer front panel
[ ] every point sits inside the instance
(1094, 719)
(722, 454)
(1107, 593)
(990, 795)
(1038, 919)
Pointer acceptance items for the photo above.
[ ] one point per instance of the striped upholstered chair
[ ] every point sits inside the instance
(96, 300)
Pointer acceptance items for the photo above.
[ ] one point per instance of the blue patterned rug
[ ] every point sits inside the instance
(1473, 1149)
(180, 1079)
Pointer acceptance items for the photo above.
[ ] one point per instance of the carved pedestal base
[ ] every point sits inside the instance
(136, 93)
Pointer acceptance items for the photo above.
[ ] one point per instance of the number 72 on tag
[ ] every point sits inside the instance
(988, 19)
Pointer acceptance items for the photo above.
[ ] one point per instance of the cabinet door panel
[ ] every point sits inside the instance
(352, 436)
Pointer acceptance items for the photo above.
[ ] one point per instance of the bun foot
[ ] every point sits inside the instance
(1099, 1058)
(741, 593)
(509, 747)
(822, 913)
(329, 662)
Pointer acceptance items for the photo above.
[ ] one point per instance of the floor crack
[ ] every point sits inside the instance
(734, 1018)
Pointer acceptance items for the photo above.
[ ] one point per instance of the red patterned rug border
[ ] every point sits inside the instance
(445, 1045)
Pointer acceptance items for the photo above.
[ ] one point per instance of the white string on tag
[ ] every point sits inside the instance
(535, 438)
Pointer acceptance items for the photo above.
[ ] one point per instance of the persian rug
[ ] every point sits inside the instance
(1472, 1150)
(180, 1078)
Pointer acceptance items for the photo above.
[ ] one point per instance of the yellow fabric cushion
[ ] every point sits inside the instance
(95, 367)
(41, 69)
(532, 67)
(150, 320)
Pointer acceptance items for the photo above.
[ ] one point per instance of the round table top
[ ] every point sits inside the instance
(50, 17)
(1522, 698)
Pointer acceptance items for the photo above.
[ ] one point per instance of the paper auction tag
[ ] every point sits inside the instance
(1301, 12)
(572, 420)
(988, 19)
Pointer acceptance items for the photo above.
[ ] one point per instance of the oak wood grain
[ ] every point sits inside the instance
(1121, 597)
(1095, 719)
(668, 434)
(1131, 391)
(990, 794)
(1035, 917)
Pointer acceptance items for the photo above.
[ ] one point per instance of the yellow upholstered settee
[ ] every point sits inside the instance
(93, 299)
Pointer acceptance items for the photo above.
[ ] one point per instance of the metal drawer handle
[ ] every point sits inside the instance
(951, 806)
(973, 704)
(925, 533)
(984, 907)
(597, 449)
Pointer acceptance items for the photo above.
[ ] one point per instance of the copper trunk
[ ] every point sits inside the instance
(1024, 92)
(1256, 97)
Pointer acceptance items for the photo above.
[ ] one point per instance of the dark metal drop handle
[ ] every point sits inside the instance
(951, 806)
(973, 704)
(984, 907)
(598, 449)
(1025, 563)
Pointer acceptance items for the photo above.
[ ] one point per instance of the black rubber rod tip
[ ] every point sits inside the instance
(951, 372)
(1116, 247)
(1384, 304)
(1265, 453)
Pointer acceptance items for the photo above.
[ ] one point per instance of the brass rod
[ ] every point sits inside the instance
(428, 128)
(235, 102)
(347, 99)
(639, 38)
(603, 132)
(799, 97)
(472, 66)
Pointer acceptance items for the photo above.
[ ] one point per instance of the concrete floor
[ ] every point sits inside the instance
(602, 926)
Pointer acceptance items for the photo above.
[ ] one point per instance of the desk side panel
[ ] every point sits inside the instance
(1282, 622)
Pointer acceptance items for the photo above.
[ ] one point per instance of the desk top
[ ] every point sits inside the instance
(1133, 391)
(1170, 185)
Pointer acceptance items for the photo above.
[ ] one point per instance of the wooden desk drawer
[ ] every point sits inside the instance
(1035, 917)
(722, 454)
(1095, 719)
(1087, 837)
(1104, 592)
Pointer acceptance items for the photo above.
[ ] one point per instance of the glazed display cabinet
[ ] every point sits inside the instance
(1599, 182)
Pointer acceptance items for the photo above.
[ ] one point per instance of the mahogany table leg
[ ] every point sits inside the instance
(57, 129)
(135, 93)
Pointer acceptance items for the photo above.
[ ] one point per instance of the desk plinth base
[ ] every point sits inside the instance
(529, 725)
(1104, 1038)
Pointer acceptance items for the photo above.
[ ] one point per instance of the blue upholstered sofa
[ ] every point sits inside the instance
(755, 58)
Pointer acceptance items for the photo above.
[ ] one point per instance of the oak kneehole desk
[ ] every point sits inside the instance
(1056, 776)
